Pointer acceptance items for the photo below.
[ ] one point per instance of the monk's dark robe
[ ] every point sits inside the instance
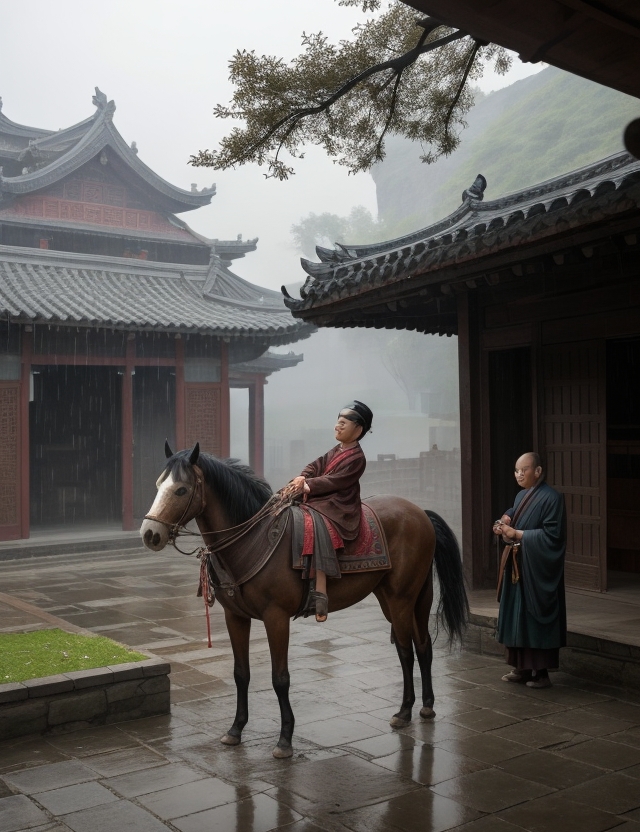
(337, 495)
(532, 622)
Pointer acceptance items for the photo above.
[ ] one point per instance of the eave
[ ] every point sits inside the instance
(410, 282)
(596, 40)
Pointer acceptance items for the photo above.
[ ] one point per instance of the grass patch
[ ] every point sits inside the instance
(49, 652)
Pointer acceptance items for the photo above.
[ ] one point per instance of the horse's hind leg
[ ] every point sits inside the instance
(422, 643)
(239, 631)
(276, 622)
(401, 616)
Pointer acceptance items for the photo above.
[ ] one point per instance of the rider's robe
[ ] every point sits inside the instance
(336, 494)
(532, 610)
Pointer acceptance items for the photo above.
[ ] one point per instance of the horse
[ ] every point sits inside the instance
(223, 494)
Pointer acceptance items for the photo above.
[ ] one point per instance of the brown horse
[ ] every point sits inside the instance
(221, 494)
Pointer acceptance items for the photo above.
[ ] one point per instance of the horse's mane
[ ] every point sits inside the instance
(240, 490)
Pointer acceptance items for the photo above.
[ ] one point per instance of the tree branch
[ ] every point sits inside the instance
(398, 64)
(465, 75)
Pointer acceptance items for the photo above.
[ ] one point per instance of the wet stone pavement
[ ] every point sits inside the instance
(497, 757)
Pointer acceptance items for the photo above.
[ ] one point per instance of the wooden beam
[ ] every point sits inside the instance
(101, 361)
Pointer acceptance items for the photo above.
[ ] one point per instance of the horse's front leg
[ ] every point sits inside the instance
(276, 622)
(239, 631)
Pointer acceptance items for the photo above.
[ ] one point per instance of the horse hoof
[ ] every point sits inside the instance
(282, 753)
(229, 739)
(427, 713)
(399, 722)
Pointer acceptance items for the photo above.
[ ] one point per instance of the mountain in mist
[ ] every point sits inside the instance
(533, 130)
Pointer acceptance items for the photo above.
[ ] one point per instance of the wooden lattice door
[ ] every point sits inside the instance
(574, 442)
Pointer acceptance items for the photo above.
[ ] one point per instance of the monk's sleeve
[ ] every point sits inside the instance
(543, 551)
(338, 480)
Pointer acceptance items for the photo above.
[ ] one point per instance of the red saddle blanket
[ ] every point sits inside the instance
(368, 552)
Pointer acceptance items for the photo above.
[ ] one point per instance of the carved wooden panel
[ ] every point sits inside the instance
(9, 454)
(574, 437)
(203, 417)
(95, 203)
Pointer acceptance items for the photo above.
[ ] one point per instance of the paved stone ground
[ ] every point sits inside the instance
(497, 757)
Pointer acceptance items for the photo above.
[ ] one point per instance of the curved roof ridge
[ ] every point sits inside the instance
(12, 128)
(61, 137)
(355, 252)
(101, 134)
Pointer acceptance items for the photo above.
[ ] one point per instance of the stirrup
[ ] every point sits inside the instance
(321, 604)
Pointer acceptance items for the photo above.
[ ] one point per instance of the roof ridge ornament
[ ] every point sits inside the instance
(476, 191)
(105, 108)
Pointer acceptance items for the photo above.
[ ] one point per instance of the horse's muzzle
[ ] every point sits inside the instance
(155, 536)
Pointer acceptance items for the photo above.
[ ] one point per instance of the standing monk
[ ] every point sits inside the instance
(532, 623)
(331, 486)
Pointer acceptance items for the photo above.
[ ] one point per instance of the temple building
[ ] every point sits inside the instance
(120, 327)
(542, 288)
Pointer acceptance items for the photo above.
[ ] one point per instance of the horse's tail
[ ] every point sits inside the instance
(453, 606)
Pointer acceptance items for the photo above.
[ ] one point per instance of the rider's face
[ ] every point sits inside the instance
(346, 430)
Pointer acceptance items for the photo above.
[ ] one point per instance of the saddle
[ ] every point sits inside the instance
(369, 552)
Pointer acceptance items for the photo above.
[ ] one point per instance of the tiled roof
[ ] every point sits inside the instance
(58, 287)
(476, 230)
(267, 363)
(50, 157)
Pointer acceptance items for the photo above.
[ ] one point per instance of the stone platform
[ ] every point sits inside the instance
(603, 641)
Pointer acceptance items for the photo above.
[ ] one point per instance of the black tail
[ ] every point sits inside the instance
(453, 607)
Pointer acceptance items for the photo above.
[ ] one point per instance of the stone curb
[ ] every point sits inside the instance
(69, 701)
(590, 657)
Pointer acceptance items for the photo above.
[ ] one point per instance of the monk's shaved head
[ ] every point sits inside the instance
(529, 458)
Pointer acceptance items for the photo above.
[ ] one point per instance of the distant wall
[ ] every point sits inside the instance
(431, 480)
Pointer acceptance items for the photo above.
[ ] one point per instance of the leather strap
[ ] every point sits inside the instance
(511, 549)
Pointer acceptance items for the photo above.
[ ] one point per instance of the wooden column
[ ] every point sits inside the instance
(127, 436)
(256, 424)
(25, 503)
(180, 406)
(474, 535)
(225, 401)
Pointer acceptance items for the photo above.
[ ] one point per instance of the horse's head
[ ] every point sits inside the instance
(180, 498)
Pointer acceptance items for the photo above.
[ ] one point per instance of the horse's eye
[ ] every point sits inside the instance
(181, 492)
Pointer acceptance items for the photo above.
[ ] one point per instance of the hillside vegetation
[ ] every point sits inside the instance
(533, 130)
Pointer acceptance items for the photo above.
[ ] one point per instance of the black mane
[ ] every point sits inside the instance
(241, 491)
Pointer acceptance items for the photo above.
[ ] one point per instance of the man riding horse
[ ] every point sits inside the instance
(331, 486)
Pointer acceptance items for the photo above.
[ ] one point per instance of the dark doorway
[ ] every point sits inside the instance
(75, 434)
(511, 420)
(623, 455)
(154, 396)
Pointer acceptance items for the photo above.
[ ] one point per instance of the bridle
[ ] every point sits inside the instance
(178, 529)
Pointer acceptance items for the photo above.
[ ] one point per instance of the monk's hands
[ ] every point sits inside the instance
(300, 484)
(498, 526)
(502, 528)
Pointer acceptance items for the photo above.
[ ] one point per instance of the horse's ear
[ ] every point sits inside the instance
(195, 453)
(167, 450)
